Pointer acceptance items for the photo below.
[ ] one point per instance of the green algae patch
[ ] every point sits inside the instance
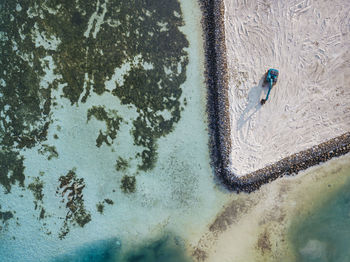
(24, 104)
(51, 51)
(70, 190)
(50, 151)
(83, 44)
(5, 215)
(121, 164)
(37, 187)
(11, 169)
(128, 184)
(109, 201)
(100, 207)
(112, 120)
(86, 61)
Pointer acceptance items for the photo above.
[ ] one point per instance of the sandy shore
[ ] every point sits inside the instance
(309, 43)
(254, 227)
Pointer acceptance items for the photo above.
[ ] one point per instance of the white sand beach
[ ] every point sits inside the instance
(308, 42)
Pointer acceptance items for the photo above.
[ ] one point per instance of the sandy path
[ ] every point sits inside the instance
(309, 42)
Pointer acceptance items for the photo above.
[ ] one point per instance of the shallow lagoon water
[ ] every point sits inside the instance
(324, 235)
(164, 249)
(80, 159)
(98, 251)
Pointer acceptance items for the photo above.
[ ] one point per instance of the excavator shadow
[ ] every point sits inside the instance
(254, 104)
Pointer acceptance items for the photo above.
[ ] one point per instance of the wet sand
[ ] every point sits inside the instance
(254, 227)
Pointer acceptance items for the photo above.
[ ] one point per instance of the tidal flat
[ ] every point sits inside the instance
(294, 218)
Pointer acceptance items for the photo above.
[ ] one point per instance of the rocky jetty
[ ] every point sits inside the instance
(289, 165)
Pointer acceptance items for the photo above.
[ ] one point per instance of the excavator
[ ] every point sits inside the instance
(271, 79)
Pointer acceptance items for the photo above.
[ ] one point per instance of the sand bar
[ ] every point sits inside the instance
(255, 227)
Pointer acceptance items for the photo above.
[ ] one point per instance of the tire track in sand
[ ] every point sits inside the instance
(308, 42)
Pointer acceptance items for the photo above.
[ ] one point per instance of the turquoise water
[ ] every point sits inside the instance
(324, 235)
(167, 248)
(98, 251)
(103, 131)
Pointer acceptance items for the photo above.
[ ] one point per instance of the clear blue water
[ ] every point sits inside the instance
(167, 248)
(97, 251)
(324, 235)
(103, 131)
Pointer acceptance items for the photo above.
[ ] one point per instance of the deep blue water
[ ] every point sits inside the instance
(167, 248)
(98, 251)
(325, 234)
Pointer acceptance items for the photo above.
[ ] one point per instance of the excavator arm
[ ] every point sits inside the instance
(268, 92)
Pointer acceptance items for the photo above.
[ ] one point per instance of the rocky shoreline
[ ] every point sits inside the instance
(290, 165)
(219, 126)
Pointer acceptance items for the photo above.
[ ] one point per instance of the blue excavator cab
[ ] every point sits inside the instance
(271, 79)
